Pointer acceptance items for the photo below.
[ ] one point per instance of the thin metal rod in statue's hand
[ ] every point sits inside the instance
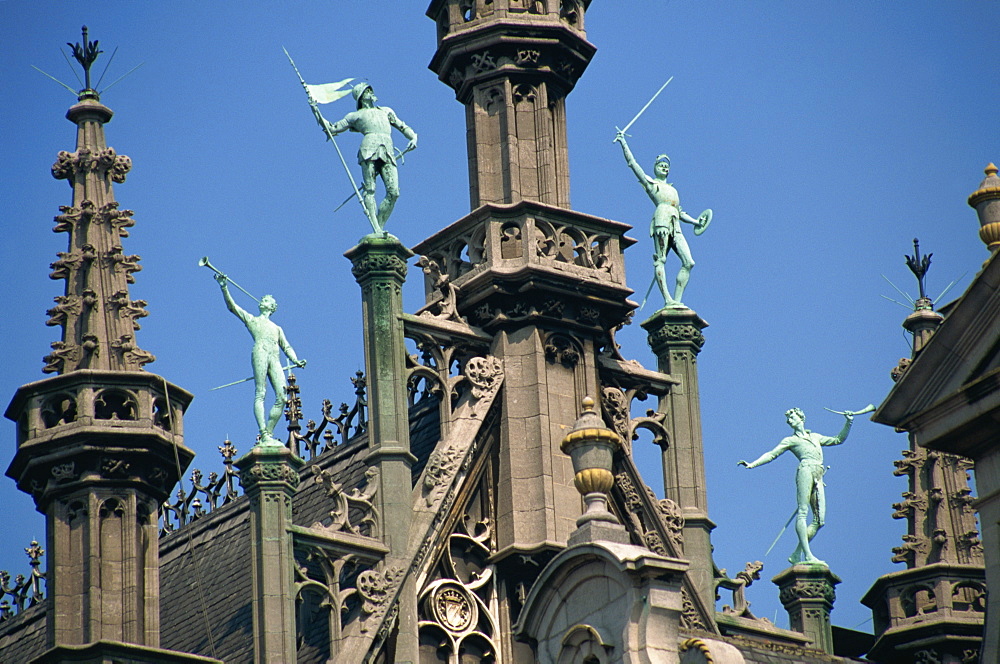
(237, 382)
(329, 134)
(346, 201)
(203, 262)
(648, 291)
(643, 110)
(870, 408)
(782, 531)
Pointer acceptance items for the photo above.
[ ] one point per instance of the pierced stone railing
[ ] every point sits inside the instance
(26, 591)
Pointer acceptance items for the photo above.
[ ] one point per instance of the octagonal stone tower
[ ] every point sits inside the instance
(100, 444)
(512, 63)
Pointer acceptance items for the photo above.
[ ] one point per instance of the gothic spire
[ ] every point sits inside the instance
(98, 318)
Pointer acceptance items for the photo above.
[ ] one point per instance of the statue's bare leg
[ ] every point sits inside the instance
(259, 361)
(368, 172)
(659, 259)
(277, 378)
(684, 253)
(390, 178)
(805, 482)
(818, 504)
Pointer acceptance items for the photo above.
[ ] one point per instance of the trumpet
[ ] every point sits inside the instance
(204, 262)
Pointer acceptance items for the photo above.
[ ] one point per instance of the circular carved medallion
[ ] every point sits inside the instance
(453, 608)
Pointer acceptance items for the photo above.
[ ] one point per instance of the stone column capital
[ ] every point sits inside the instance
(379, 256)
(675, 329)
(269, 467)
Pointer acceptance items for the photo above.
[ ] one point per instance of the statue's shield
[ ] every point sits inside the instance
(703, 221)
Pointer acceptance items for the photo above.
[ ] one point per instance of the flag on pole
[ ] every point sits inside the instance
(329, 92)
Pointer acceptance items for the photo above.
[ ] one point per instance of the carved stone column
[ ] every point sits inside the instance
(807, 593)
(380, 269)
(676, 339)
(270, 476)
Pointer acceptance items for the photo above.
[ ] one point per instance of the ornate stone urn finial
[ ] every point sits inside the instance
(592, 446)
(986, 201)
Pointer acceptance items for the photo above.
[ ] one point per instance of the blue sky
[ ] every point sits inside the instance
(825, 136)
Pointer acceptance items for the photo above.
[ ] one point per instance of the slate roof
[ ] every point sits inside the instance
(205, 566)
(23, 636)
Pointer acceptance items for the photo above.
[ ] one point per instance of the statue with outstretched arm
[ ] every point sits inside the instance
(665, 227)
(268, 341)
(807, 446)
(376, 154)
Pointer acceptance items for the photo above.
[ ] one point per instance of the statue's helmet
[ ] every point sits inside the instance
(359, 90)
(663, 158)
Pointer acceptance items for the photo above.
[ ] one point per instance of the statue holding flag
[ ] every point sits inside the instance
(376, 155)
(376, 152)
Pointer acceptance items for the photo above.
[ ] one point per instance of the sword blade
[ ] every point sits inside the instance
(244, 380)
(651, 100)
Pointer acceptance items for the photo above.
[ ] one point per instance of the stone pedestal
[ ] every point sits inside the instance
(807, 593)
(676, 339)
(270, 476)
(379, 266)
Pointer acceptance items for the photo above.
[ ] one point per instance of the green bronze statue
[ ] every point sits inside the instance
(376, 155)
(807, 446)
(268, 339)
(665, 228)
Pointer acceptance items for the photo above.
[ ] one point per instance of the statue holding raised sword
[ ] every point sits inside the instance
(665, 227)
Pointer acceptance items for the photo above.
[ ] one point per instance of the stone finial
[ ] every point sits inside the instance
(592, 447)
(986, 201)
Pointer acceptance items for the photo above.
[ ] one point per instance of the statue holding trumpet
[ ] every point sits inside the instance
(807, 446)
(268, 340)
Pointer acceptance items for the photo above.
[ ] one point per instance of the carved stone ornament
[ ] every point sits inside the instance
(807, 590)
(897, 371)
(376, 588)
(560, 348)
(679, 333)
(64, 472)
(268, 472)
(85, 160)
(453, 608)
(616, 409)
(484, 373)
(370, 264)
(673, 520)
(441, 465)
(446, 308)
(690, 619)
(360, 503)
